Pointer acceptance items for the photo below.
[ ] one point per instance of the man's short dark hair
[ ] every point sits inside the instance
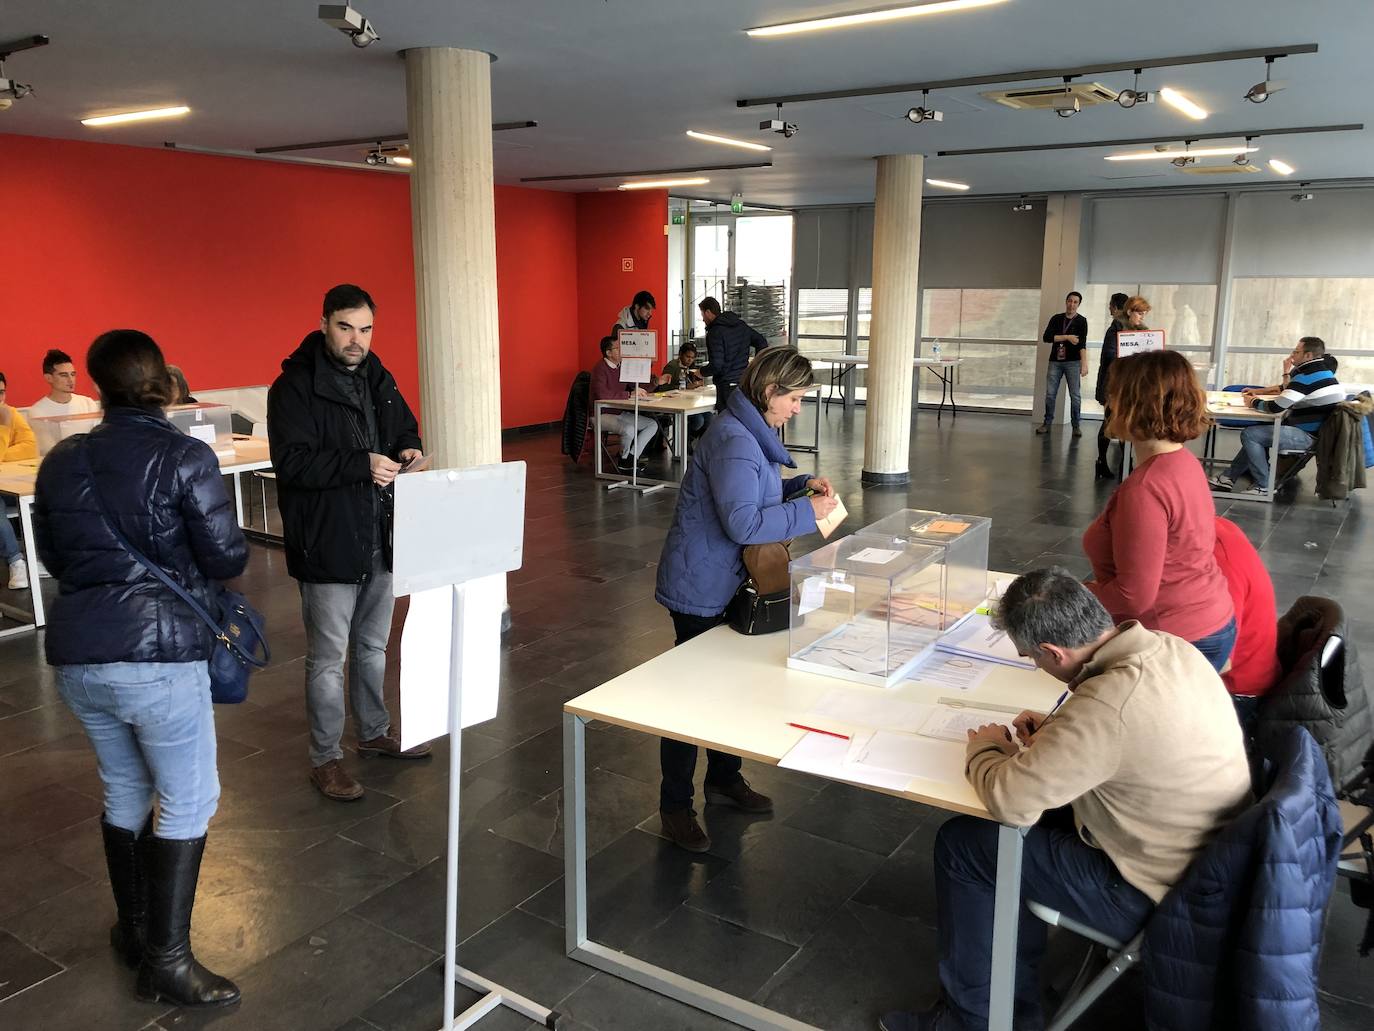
(615, 331)
(606, 344)
(1119, 300)
(1049, 606)
(54, 358)
(3, 382)
(346, 297)
(710, 304)
(643, 298)
(1315, 346)
(686, 348)
(1074, 293)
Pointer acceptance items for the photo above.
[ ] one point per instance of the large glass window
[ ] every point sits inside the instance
(1268, 315)
(997, 331)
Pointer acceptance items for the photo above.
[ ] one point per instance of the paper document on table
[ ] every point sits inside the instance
(636, 370)
(977, 637)
(874, 556)
(951, 724)
(834, 519)
(867, 707)
(961, 672)
(825, 756)
(907, 755)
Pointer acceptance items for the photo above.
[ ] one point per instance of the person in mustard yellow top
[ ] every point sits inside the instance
(16, 442)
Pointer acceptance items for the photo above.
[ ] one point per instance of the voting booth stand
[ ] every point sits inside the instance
(638, 349)
(457, 533)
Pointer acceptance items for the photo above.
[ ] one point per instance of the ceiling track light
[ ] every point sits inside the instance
(1262, 91)
(785, 129)
(350, 22)
(1068, 105)
(1023, 204)
(924, 113)
(1243, 160)
(1129, 98)
(1304, 195)
(380, 156)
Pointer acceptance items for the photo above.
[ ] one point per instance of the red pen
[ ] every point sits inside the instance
(818, 730)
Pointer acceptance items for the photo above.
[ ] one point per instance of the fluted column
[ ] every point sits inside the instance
(892, 333)
(453, 225)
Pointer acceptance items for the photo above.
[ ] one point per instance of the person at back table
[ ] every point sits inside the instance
(1151, 549)
(731, 496)
(1144, 750)
(681, 374)
(16, 444)
(635, 431)
(729, 343)
(638, 313)
(1309, 394)
(1254, 665)
(1067, 335)
(61, 398)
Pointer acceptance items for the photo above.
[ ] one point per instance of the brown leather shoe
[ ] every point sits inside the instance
(390, 747)
(333, 782)
(741, 796)
(684, 831)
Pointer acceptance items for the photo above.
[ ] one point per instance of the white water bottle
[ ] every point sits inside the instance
(935, 349)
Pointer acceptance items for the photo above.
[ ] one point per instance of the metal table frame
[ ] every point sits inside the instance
(842, 368)
(1005, 927)
(646, 405)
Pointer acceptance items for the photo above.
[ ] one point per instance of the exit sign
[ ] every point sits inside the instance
(627, 264)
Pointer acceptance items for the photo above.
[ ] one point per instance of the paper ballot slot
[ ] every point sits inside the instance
(454, 525)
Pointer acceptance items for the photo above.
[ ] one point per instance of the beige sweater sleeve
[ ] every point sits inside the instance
(1074, 752)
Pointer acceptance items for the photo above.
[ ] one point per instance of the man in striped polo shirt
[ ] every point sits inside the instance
(1308, 395)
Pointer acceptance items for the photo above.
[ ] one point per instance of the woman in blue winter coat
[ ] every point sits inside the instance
(731, 496)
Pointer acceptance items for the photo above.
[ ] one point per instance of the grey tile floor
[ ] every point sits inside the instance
(330, 916)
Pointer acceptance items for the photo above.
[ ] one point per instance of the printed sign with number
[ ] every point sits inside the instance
(1138, 341)
(639, 343)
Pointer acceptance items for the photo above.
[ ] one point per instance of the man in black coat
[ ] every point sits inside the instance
(730, 341)
(340, 432)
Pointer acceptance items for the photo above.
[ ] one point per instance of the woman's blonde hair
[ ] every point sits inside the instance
(781, 367)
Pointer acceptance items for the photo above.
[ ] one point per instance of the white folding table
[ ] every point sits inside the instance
(735, 694)
(678, 403)
(842, 368)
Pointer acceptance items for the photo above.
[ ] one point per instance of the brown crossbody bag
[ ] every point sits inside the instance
(760, 606)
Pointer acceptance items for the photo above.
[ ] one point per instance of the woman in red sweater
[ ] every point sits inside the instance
(1255, 659)
(1151, 548)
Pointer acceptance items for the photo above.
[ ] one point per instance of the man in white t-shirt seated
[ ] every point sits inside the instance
(62, 398)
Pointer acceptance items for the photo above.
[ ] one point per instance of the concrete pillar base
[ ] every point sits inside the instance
(884, 479)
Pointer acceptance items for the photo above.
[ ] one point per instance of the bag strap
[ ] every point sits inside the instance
(144, 561)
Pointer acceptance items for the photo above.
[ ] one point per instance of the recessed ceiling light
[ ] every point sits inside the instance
(844, 21)
(1281, 167)
(946, 184)
(660, 184)
(1180, 102)
(1169, 155)
(711, 137)
(137, 116)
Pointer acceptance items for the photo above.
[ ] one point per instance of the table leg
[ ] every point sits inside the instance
(1006, 921)
(31, 555)
(575, 831)
(238, 499)
(680, 431)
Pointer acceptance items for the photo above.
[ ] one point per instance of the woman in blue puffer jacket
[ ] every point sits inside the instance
(731, 496)
(130, 657)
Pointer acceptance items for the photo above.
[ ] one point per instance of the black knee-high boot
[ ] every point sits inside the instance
(129, 883)
(169, 971)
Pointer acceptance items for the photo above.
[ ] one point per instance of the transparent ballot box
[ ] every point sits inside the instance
(212, 423)
(965, 539)
(865, 609)
(49, 429)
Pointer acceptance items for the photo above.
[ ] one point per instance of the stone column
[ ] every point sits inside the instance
(892, 334)
(453, 225)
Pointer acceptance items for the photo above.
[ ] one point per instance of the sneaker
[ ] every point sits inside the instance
(19, 575)
(390, 747)
(741, 796)
(1044, 427)
(1221, 483)
(334, 783)
(936, 1018)
(682, 829)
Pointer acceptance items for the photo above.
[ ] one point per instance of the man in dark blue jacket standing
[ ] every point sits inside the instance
(730, 341)
(340, 432)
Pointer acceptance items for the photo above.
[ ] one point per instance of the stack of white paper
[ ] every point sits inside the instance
(975, 637)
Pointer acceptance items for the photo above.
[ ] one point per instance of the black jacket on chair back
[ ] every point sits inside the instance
(166, 494)
(333, 516)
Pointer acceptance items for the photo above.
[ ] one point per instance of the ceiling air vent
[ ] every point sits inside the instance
(1230, 168)
(1042, 98)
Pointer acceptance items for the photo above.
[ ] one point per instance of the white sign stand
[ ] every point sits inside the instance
(458, 531)
(638, 348)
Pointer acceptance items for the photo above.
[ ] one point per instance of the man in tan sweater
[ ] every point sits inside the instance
(1145, 750)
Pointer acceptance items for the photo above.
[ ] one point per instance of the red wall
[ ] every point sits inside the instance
(612, 226)
(224, 261)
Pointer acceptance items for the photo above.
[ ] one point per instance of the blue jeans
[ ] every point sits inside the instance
(1253, 457)
(1070, 372)
(9, 543)
(1058, 870)
(1216, 648)
(153, 730)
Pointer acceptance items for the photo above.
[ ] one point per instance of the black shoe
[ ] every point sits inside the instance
(1103, 471)
(170, 972)
(129, 882)
(741, 796)
(625, 467)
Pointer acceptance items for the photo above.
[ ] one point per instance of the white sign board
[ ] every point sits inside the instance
(636, 370)
(639, 343)
(1138, 341)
